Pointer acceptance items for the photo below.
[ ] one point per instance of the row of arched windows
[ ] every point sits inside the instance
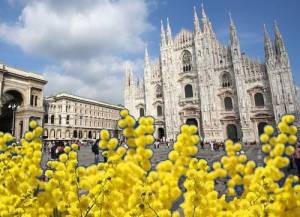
(52, 119)
(258, 101)
(68, 134)
(188, 90)
(159, 111)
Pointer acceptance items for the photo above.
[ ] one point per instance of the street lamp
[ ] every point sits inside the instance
(13, 107)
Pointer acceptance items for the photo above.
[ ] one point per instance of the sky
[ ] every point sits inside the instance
(82, 46)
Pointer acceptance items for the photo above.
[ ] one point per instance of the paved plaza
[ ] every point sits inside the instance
(253, 152)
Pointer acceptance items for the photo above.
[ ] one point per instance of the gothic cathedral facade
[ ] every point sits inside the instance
(197, 80)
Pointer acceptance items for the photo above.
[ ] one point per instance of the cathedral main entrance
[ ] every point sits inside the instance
(161, 133)
(193, 121)
(232, 133)
(261, 127)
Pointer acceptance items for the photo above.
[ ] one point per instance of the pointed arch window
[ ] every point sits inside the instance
(259, 100)
(158, 91)
(226, 80)
(159, 111)
(228, 103)
(186, 61)
(188, 91)
(142, 112)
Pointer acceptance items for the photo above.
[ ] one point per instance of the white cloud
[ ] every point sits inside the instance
(88, 40)
(96, 78)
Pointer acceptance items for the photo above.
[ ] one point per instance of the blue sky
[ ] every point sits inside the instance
(81, 46)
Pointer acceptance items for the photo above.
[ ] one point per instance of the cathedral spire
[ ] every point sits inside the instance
(231, 21)
(162, 34)
(233, 33)
(146, 57)
(205, 21)
(128, 74)
(269, 52)
(203, 11)
(169, 31)
(235, 44)
(196, 21)
(279, 44)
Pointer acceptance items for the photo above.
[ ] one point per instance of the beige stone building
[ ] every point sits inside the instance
(72, 117)
(199, 80)
(21, 99)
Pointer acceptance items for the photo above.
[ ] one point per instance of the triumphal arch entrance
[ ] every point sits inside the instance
(21, 100)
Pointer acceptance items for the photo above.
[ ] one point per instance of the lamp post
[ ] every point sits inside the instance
(13, 107)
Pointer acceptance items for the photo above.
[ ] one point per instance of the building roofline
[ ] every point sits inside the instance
(83, 99)
(22, 73)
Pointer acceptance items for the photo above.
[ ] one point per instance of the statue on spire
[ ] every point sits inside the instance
(146, 57)
(196, 21)
(233, 33)
(162, 34)
(269, 52)
(203, 11)
(231, 20)
(279, 44)
(169, 31)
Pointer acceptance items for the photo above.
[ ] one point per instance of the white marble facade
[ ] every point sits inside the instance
(198, 80)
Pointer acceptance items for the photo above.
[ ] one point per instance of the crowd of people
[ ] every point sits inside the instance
(56, 148)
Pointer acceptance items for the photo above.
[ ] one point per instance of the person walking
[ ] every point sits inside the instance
(211, 145)
(95, 150)
(168, 144)
(202, 144)
(60, 149)
(53, 151)
(156, 144)
(297, 157)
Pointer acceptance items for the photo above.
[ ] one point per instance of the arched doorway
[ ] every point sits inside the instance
(10, 100)
(161, 133)
(232, 132)
(192, 121)
(261, 127)
(90, 135)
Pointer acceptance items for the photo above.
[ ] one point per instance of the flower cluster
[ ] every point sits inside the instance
(128, 185)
